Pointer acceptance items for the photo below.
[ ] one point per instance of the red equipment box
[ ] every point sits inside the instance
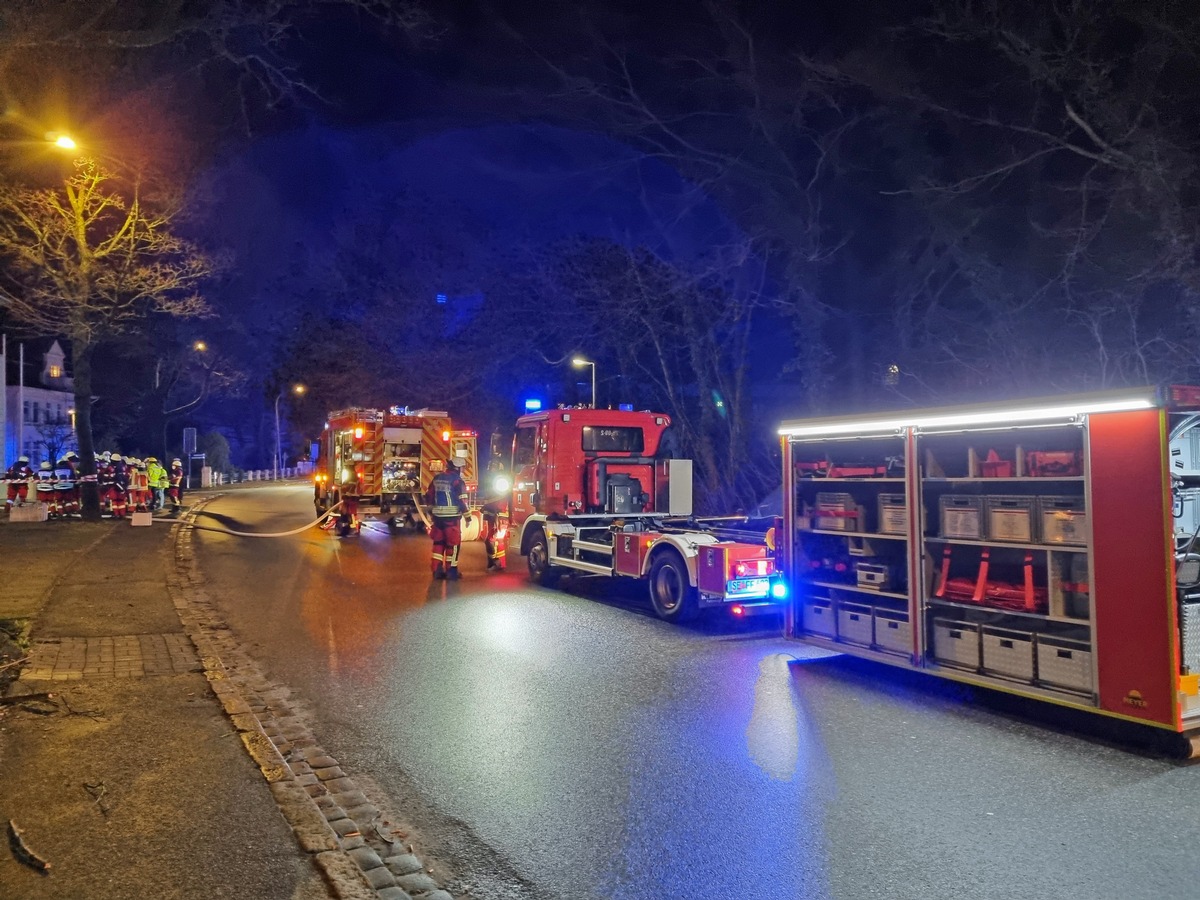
(1053, 463)
(629, 551)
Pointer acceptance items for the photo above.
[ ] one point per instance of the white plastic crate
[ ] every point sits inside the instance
(893, 514)
(30, 512)
(837, 512)
(956, 643)
(893, 631)
(1011, 519)
(962, 516)
(1063, 520)
(1008, 653)
(854, 623)
(1064, 663)
(818, 618)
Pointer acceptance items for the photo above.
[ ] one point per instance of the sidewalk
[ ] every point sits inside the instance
(130, 779)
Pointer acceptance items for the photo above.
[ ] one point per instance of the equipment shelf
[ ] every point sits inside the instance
(1007, 545)
(1000, 611)
(861, 534)
(858, 590)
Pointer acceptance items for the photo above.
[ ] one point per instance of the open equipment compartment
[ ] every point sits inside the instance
(1035, 547)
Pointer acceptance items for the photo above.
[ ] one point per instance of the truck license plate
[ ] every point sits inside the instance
(747, 587)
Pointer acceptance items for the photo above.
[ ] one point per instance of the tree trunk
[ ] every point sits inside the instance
(89, 490)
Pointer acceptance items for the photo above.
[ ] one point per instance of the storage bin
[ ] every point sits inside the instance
(873, 576)
(893, 514)
(854, 624)
(837, 512)
(1011, 519)
(1008, 653)
(893, 631)
(30, 512)
(961, 517)
(818, 618)
(1064, 663)
(1063, 520)
(956, 643)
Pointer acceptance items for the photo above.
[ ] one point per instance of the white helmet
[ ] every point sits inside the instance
(23, 459)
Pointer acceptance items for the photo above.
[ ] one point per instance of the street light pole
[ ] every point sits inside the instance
(579, 362)
(297, 389)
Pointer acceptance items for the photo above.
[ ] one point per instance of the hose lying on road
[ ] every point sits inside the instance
(264, 534)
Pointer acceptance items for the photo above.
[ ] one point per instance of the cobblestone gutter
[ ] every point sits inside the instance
(332, 819)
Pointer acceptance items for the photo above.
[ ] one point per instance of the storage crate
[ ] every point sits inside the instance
(956, 643)
(818, 618)
(1063, 520)
(1008, 653)
(837, 512)
(1064, 663)
(30, 512)
(873, 576)
(1011, 519)
(962, 517)
(893, 514)
(854, 624)
(893, 631)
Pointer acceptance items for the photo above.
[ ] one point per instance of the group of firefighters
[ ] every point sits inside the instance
(126, 484)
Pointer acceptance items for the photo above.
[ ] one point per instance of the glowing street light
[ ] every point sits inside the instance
(63, 142)
(200, 346)
(579, 362)
(298, 390)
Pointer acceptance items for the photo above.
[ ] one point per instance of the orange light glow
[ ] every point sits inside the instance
(738, 610)
(358, 432)
(446, 436)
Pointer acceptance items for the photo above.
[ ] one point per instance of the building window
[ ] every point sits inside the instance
(55, 371)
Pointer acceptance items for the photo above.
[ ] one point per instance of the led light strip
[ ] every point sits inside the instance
(928, 421)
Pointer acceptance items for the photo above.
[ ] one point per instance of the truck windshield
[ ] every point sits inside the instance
(613, 440)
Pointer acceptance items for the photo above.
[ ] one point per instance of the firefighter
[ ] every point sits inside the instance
(120, 486)
(175, 481)
(18, 476)
(447, 498)
(495, 517)
(104, 480)
(139, 486)
(159, 482)
(66, 488)
(45, 485)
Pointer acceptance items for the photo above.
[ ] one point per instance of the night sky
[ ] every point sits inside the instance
(979, 199)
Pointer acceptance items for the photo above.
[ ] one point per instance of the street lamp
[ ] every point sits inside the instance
(579, 362)
(298, 390)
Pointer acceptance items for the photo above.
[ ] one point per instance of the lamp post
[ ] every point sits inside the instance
(579, 362)
(298, 390)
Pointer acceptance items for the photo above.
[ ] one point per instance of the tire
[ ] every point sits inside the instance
(538, 560)
(393, 526)
(671, 592)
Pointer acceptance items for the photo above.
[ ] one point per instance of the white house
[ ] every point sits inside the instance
(38, 406)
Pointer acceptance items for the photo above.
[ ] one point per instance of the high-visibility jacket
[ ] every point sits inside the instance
(64, 476)
(447, 496)
(45, 481)
(157, 475)
(18, 471)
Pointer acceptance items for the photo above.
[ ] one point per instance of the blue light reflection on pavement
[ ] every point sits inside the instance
(738, 808)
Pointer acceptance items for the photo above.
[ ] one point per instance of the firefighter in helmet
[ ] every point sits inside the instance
(45, 485)
(495, 516)
(175, 479)
(447, 498)
(18, 476)
(66, 485)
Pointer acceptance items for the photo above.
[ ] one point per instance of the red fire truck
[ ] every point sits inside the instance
(1046, 548)
(592, 494)
(386, 460)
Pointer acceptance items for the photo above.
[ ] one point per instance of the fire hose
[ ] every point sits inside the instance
(265, 534)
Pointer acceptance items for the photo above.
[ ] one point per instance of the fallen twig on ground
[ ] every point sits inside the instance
(16, 839)
(21, 698)
(15, 662)
(98, 790)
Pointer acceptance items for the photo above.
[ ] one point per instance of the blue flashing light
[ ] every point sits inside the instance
(779, 590)
(625, 407)
(441, 298)
(533, 405)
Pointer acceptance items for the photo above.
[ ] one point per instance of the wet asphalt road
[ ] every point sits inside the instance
(566, 744)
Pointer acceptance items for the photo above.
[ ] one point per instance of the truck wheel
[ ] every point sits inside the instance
(540, 570)
(672, 594)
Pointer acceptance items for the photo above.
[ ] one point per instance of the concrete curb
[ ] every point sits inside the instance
(331, 818)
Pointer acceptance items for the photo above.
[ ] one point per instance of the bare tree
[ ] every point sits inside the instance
(88, 261)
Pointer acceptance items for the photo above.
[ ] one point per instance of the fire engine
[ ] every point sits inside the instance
(1046, 548)
(594, 494)
(386, 459)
